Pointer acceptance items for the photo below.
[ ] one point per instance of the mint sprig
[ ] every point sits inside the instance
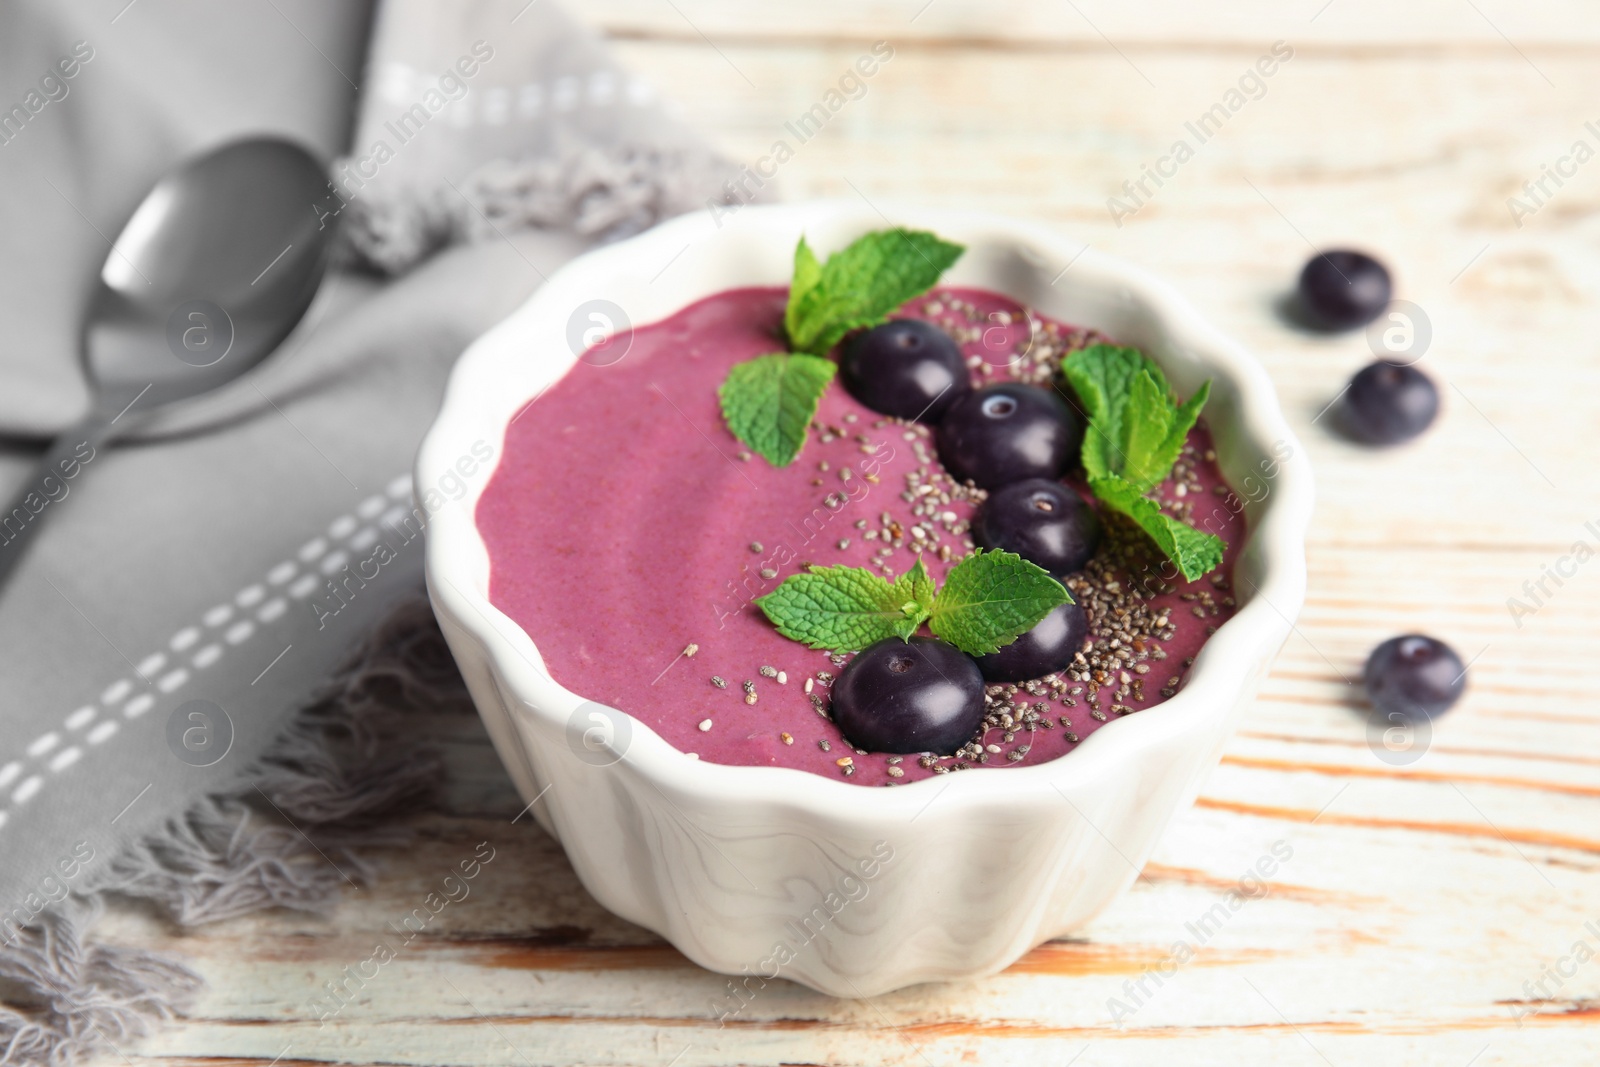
(1135, 434)
(861, 284)
(770, 400)
(988, 600)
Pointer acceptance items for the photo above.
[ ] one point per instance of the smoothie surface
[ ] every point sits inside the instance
(625, 524)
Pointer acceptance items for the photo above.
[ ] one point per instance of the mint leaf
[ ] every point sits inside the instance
(1183, 421)
(1194, 552)
(917, 590)
(1136, 430)
(991, 598)
(1154, 430)
(769, 401)
(844, 608)
(1102, 375)
(807, 273)
(861, 284)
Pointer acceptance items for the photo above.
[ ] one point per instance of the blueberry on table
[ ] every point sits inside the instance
(907, 368)
(1341, 290)
(900, 696)
(1414, 676)
(1046, 523)
(1048, 647)
(1008, 432)
(1385, 404)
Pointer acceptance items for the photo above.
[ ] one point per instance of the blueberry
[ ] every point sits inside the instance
(1340, 290)
(907, 368)
(1045, 649)
(1044, 522)
(920, 695)
(1385, 404)
(1008, 432)
(1414, 676)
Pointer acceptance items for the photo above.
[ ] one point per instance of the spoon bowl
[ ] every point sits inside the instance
(216, 266)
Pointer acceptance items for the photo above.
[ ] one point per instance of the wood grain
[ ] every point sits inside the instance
(1103, 24)
(1418, 900)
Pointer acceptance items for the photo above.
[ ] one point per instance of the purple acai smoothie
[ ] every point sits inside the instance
(629, 533)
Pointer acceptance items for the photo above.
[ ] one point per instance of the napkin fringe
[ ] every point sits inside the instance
(66, 996)
(604, 194)
(293, 836)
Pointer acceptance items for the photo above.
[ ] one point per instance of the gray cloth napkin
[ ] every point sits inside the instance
(224, 556)
(452, 85)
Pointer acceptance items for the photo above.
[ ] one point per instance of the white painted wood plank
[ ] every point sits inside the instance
(1104, 24)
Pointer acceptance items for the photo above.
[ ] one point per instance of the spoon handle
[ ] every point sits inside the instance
(48, 485)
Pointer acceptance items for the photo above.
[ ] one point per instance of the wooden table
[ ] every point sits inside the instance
(1430, 912)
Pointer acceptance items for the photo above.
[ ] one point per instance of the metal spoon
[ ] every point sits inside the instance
(216, 266)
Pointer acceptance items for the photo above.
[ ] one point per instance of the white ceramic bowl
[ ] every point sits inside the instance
(773, 872)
